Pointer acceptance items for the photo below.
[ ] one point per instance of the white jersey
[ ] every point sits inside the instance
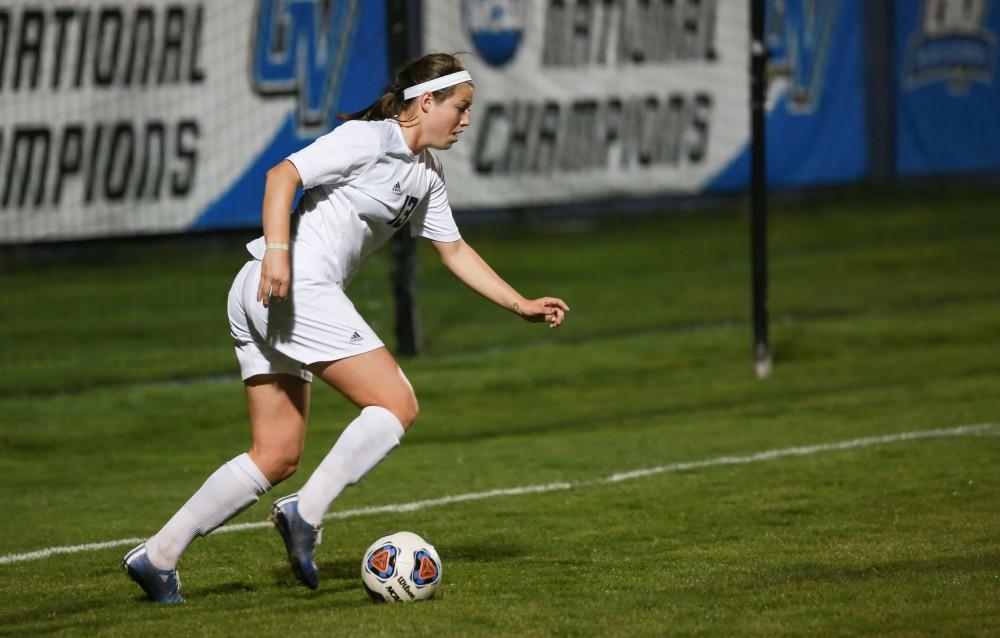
(361, 183)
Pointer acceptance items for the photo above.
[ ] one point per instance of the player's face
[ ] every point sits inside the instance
(449, 117)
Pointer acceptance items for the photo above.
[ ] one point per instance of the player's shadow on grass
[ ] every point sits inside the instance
(222, 589)
(62, 616)
(335, 575)
(489, 551)
(887, 571)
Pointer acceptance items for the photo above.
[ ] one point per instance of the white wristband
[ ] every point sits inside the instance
(276, 245)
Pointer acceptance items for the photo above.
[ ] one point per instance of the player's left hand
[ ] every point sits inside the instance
(551, 310)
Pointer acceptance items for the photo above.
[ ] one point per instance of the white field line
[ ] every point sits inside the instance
(768, 455)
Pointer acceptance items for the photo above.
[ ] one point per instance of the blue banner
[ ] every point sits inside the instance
(816, 130)
(947, 99)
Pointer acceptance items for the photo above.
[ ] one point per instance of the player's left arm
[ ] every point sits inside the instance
(466, 264)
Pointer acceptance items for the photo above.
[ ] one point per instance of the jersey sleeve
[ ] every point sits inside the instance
(433, 219)
(337, 157)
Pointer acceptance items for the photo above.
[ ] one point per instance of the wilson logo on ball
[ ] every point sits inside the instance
(382, 562)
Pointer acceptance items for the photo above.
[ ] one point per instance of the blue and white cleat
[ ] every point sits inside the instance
(300, 538)
(161, 585)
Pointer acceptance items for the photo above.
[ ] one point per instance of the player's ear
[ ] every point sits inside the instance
(426, 101)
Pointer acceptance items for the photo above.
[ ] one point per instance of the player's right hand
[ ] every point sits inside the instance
(275, 275)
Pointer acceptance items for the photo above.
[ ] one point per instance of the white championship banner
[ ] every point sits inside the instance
(123, 117)
(590, 100)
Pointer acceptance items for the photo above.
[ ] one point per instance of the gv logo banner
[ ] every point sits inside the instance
(301, 48)
(952, 44)
(798, 37)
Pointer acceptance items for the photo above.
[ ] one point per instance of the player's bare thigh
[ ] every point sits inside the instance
(372, 378)
(278, 405)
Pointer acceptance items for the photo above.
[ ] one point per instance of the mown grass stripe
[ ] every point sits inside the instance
(767, 455)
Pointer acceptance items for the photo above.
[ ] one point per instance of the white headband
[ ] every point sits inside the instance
(437, 84)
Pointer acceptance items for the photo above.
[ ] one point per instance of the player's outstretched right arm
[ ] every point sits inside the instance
(276, 269)
(466, 264)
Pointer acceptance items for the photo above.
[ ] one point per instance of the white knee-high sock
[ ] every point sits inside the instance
(228, 491)
(366, 441)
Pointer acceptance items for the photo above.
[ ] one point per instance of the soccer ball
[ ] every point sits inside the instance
(401, 567)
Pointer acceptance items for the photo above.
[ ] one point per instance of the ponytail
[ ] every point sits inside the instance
(387, 107)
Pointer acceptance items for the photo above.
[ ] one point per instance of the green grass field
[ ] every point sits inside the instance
(885, 319)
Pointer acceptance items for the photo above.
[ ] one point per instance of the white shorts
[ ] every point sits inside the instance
(317, 322)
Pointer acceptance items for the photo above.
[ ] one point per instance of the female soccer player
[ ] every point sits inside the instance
(291, 319)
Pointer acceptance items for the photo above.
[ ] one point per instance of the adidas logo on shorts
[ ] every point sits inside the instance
(356, 338)
(396, 189)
